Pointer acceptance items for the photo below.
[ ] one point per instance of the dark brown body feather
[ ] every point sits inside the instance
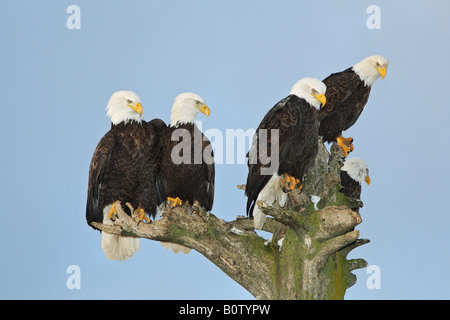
(297, 122)
(346, 97)
(124, 168)
(193, 179)
(350, 188)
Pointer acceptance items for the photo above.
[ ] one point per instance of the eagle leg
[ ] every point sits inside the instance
(113, 212)
(345, 144)
(142, 216)
(298, 185)
(289, 182)
(175, 202)
(349, 141)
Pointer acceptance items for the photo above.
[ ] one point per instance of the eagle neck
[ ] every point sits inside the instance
(124, 124)
(366, 73)
(184, 125)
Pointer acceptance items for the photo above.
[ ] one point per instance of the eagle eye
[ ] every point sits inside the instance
(314, 91)
(129, 101)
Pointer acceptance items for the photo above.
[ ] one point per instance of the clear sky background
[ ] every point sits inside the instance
(242, 57)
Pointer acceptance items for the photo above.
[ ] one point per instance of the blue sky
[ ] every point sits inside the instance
(242, 58)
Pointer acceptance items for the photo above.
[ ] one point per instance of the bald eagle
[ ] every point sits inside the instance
(295, 120)
(353, 173)
(187, 171)
(347, 94)
(123, 168)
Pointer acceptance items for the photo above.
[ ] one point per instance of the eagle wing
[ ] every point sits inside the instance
(340, 86)
(210, 170)
(160, 127)
(99, 161)
(285, 117)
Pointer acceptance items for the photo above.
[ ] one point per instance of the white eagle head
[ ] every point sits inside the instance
(312, 90)
(371, 68)
(124, 106)
(357, 169)
(185, 107)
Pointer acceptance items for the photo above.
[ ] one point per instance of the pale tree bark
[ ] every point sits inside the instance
(307, 256)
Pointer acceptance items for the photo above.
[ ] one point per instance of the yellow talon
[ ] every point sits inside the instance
(288, 183)
(142, 216)
(345, 144)
(113, 211)
(175, 202)
(296, 182)
(292, 183)
(349, 141)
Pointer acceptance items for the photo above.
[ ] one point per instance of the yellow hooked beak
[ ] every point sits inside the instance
(321, 98)
(382, 71)
(367, 179)
(204, 109)
(137, 107)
